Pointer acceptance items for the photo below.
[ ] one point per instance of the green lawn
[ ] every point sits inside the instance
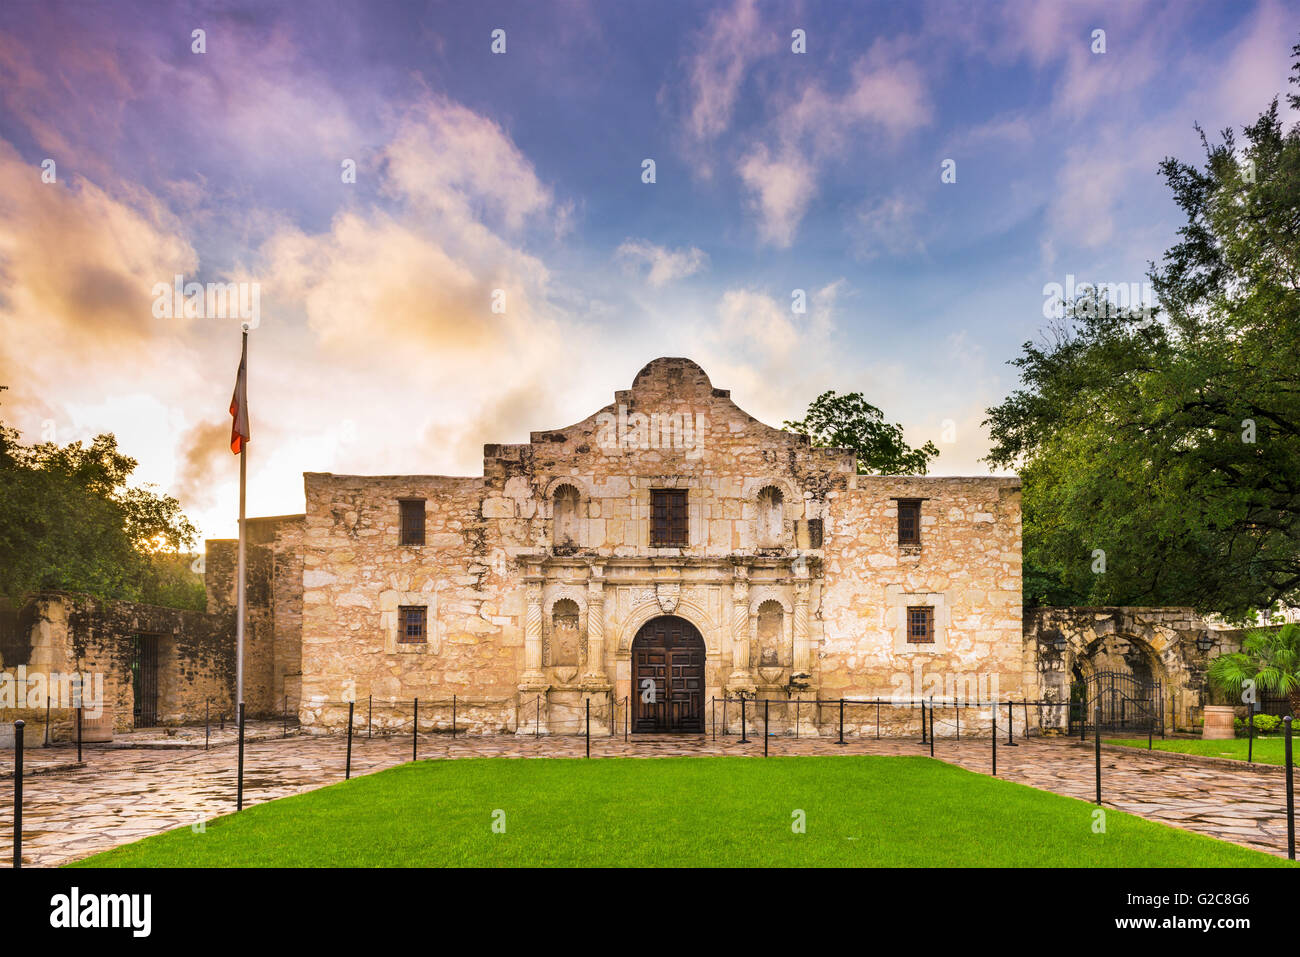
(1267, 750)
(672, 812)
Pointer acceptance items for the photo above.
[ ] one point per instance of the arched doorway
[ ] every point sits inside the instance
(1117, 672)
(668, 677)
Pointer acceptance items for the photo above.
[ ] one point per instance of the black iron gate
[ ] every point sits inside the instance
(144, 680)
(1128, 704)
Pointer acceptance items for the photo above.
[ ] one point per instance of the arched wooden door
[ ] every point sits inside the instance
(668, 677)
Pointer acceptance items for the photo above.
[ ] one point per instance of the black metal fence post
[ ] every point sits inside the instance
(1250, 740)
(415, 733)
(207, 724)
(47, 717)
(956, 711)
(285, 734)
(924, 740)
(239, 792)
(537, 720)
(743, 739)
(627, 707)
(370, 714)
(1011, 725)
(453, 717)
(347, 770)
(1290, 794)
(588, 727)
(932, 725)
(713, 715)
(1096, 737)
(995, 742)
(81, 702)
(17, 793)
(765, 704)
(841, 740)
(877, 719)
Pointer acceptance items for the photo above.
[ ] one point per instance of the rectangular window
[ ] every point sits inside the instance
(412, 521)
(412, 624)
(814, 533)
(668, 522)
(909, 521)
(920, 625)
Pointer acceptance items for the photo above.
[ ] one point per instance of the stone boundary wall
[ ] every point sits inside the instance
(67, 633)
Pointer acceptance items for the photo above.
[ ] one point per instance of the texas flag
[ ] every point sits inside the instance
(239, 408)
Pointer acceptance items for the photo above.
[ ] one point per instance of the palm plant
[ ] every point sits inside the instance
(1268, 657)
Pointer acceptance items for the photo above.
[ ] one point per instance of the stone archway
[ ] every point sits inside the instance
(1160, 646)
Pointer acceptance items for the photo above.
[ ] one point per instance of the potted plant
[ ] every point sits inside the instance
(1270, 658)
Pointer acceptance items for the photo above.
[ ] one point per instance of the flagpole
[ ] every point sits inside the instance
(239, 588)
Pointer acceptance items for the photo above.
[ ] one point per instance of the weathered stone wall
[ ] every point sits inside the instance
(356, 575)
(967, 567)
(498, 560)
(273, 618)
(72, 634)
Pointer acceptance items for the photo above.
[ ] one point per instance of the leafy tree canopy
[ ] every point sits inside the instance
(1160, 457)
(850, 422)
(69, 521)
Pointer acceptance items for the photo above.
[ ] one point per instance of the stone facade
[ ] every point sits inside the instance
(536, 577)
(533, 581)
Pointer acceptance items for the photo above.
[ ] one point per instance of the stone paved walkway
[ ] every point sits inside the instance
(123, 795)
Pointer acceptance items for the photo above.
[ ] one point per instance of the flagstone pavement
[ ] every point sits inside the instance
(121, 795)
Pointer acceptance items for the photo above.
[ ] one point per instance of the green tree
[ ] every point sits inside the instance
(69, 521)
(850, 422)
(1160, 456)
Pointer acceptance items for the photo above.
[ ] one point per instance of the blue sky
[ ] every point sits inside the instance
(377, 350)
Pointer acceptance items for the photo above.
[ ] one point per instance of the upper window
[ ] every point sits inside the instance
(412, 521)
(920, 624)
(668, 523)
(816, 532)
(412, 624)
(909, 522)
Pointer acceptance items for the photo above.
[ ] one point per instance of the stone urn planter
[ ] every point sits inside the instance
(1218, 722)
(97, 730)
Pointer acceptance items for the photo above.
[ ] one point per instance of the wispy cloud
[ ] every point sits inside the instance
(665, 265)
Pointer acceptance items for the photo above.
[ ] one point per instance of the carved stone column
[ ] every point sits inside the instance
(740, 678)
(595, 678)
(802, 642)
(533, 679)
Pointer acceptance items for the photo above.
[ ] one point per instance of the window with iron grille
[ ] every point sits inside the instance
(920, 624)
(412, 521)
(668, 522)
(814, 533)
(412, 624)
(909, 522)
